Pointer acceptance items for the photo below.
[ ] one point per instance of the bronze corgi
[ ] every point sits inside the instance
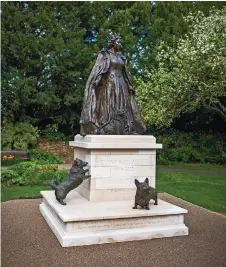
(74, 179)
(144, 194)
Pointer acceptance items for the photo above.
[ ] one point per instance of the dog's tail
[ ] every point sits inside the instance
(53, 184)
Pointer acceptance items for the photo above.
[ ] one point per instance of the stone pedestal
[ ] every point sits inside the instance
(100, 209)
(114, 162)
(82, 222)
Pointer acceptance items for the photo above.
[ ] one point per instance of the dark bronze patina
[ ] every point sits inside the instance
(144, 194)
(75, 178)
(109, 105)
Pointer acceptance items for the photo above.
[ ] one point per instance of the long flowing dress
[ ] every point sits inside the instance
(109, 105)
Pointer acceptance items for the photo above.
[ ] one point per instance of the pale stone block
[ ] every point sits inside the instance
(98, 172)
(115, 146)
(115, 142)
(123, 160)
(81, 222)
(112, 194)
(112, 158)
(96, 226)
(146, 152)
(59, 221)
(132, 171)
(124, 152)
(100, 152)
(83, 191)
(86, 183)
(117, 183)
(81, 153)
(108, 210)
(115, 138)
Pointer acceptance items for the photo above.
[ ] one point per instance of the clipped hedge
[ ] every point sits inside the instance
(195, 147)
(32, 173)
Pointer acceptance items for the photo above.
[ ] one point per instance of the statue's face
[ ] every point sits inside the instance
(117, 44)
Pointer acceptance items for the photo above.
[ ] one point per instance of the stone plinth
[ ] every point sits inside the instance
(114, 162)
(82, 222)
(100, 209)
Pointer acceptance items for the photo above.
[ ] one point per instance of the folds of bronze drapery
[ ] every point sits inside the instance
(109, 105)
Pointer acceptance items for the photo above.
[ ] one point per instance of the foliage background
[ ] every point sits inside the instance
(49, 48)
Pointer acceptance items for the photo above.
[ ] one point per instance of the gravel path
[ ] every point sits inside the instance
(27, 241)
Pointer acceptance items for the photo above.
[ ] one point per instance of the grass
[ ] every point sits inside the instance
(196, 166)
(208, 191)
(16, 192)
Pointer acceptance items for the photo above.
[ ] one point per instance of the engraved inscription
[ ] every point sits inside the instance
(119, 190)
(113, 162)
(127, 223)
(131, 171)
(124, 168)
(125, 160)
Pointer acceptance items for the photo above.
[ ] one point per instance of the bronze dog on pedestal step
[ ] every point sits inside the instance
(74, 179)
(144, 194)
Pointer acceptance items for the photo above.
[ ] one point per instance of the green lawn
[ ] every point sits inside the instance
(16, 192)
(208, 191)
(196, 166)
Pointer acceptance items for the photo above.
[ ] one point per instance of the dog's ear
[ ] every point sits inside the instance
(146, 181)
(137, 183)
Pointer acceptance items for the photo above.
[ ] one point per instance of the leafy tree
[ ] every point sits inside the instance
(49, 48)
(44, 63)
(19, 136)
(189, 76)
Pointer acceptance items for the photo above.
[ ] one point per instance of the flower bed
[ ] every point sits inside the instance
(32, 173)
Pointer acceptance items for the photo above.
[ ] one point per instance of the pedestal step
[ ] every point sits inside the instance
(84, 223)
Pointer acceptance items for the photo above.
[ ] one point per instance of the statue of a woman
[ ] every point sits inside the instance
(109, 105)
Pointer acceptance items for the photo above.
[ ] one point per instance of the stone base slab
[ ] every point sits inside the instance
(81, 222)
(115, 142)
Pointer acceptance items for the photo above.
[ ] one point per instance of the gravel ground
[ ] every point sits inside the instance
(27, 241)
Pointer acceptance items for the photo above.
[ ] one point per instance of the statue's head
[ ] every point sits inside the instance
(115, 40)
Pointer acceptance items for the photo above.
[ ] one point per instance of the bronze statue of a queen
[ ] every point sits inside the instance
(109, 105)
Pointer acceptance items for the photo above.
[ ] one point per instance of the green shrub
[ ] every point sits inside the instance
(10, 162)
(19, 136)
(32, 173)
(44, 177)
(8, 176)
(44, 157)
(197, 147)
(51, 132)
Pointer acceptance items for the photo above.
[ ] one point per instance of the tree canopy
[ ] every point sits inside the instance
(190, 75)
(49, 48)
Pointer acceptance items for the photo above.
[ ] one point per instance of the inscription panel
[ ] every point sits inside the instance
(131, 171)
(124, 223)
(124, 160)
